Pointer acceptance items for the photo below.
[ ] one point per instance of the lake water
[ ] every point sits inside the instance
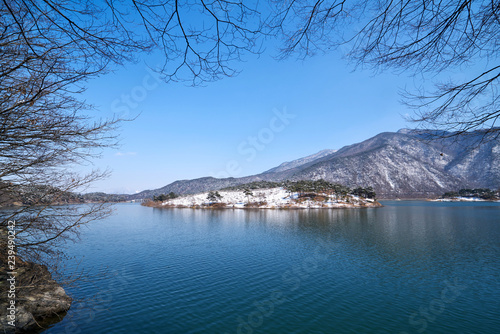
(409, 267)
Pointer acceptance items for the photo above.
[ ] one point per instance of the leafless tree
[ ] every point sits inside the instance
(199, 40)
(202, 40)
(43, 134)
(416, 36)
(50, 48)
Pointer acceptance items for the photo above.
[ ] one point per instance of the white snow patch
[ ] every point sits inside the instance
(459, 199)
(273, 197)
(388, 178)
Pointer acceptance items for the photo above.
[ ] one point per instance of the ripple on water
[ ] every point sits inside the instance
(187, 271)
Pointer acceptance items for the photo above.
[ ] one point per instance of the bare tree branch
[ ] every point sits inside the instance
(415, 37)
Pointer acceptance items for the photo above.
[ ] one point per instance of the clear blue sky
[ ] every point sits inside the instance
(184, 132)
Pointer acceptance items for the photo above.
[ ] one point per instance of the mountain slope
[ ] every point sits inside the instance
(300, 162)
(395, 165)
(481, 166)
(404, 164)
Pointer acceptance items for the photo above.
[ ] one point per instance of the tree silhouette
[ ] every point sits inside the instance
(202, 41)
(247, 192)
(414, 36)
(50, 49)
(214, 196)
(44, 133)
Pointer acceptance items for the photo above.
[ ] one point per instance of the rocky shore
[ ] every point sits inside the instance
(39, 300)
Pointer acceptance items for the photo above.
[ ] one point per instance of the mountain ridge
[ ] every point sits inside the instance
(301, 161)
(403, 164)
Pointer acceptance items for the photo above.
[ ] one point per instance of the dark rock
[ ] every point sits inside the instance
(40, 300)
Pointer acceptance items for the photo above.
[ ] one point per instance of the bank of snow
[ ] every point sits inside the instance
(273, 198)
(463, 199)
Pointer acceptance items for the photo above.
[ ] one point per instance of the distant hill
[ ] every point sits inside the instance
(11, 194)
(403, 164)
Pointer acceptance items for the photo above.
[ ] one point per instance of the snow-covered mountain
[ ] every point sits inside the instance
(401, 164)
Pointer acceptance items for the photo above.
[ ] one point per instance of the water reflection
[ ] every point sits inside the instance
(199, 271)
(409, 235)
(392, 228)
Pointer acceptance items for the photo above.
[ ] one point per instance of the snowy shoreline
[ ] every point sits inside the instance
(463, 199)
(272, 198)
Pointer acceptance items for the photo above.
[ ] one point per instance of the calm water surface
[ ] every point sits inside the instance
(409, 267)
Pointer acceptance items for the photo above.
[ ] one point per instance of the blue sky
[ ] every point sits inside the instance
(186, 132)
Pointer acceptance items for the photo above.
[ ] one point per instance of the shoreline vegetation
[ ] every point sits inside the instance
(272, 195)
(470, 195)
(22, 195)
(300, 194)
